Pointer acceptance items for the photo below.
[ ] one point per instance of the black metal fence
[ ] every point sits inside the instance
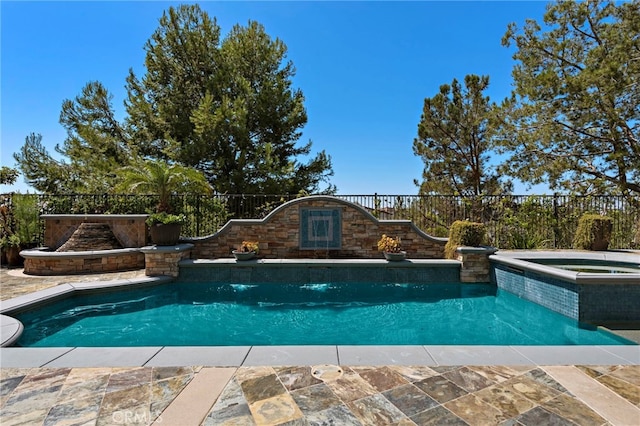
(513, 221)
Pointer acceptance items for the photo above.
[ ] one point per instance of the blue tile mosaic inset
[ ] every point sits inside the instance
(320, 228)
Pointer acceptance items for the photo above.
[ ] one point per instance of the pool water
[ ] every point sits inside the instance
(203, 314)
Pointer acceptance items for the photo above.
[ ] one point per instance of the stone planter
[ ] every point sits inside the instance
(395, 257)
(602, 237)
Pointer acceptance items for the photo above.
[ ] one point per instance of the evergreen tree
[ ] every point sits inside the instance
(41, 170)
(573, 120)
(96, 148)
(455, 140)
(96, 143)
(8, 175)
(227, 107)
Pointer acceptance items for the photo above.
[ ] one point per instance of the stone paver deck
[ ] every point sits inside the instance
(347, 392)
(322, 395)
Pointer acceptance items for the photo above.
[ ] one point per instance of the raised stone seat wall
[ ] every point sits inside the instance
(38, 262)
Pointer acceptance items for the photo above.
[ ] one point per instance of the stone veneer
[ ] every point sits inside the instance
(46, 263)
(279, 234)
(475, 266)
(164, 260)
(129, 229)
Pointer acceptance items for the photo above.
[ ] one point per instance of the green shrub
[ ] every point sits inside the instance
(27, 218)
(593, 233)
(464, 233)
(10, 241)
(523, 240)
(165, 218)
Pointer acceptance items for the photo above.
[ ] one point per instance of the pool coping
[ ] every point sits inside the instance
(518, 259)
(356, 263)
(237, 356)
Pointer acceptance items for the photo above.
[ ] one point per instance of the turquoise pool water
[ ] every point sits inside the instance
(202, 314)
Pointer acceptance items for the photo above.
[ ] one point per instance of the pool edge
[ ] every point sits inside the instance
(244, 356)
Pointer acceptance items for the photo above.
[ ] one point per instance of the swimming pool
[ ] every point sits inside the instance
(228, 314)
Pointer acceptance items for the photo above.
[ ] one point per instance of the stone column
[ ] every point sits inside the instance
(475, 264)
(163, 260)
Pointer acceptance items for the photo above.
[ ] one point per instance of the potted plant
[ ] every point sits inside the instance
(391, 248)
(163, 179)
(11, 244)
(247, 250)
(165, 228)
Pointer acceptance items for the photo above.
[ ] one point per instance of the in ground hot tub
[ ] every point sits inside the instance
(594, 287)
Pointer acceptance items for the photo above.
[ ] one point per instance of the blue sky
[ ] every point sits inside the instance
(364, 68)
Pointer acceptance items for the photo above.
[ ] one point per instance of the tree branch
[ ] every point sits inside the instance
(560, 58)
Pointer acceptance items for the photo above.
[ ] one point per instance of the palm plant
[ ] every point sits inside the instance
(163, 179)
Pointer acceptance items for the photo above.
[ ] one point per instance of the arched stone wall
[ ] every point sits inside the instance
(282, 232)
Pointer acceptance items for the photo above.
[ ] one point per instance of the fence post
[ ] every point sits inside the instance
(556, 228)
(199, 214)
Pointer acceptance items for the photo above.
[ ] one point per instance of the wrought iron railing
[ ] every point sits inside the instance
(512, 221)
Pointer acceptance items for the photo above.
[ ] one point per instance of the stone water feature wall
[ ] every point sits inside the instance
(91, 236)
(129, 229)
(79, 244)
(317, 227)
